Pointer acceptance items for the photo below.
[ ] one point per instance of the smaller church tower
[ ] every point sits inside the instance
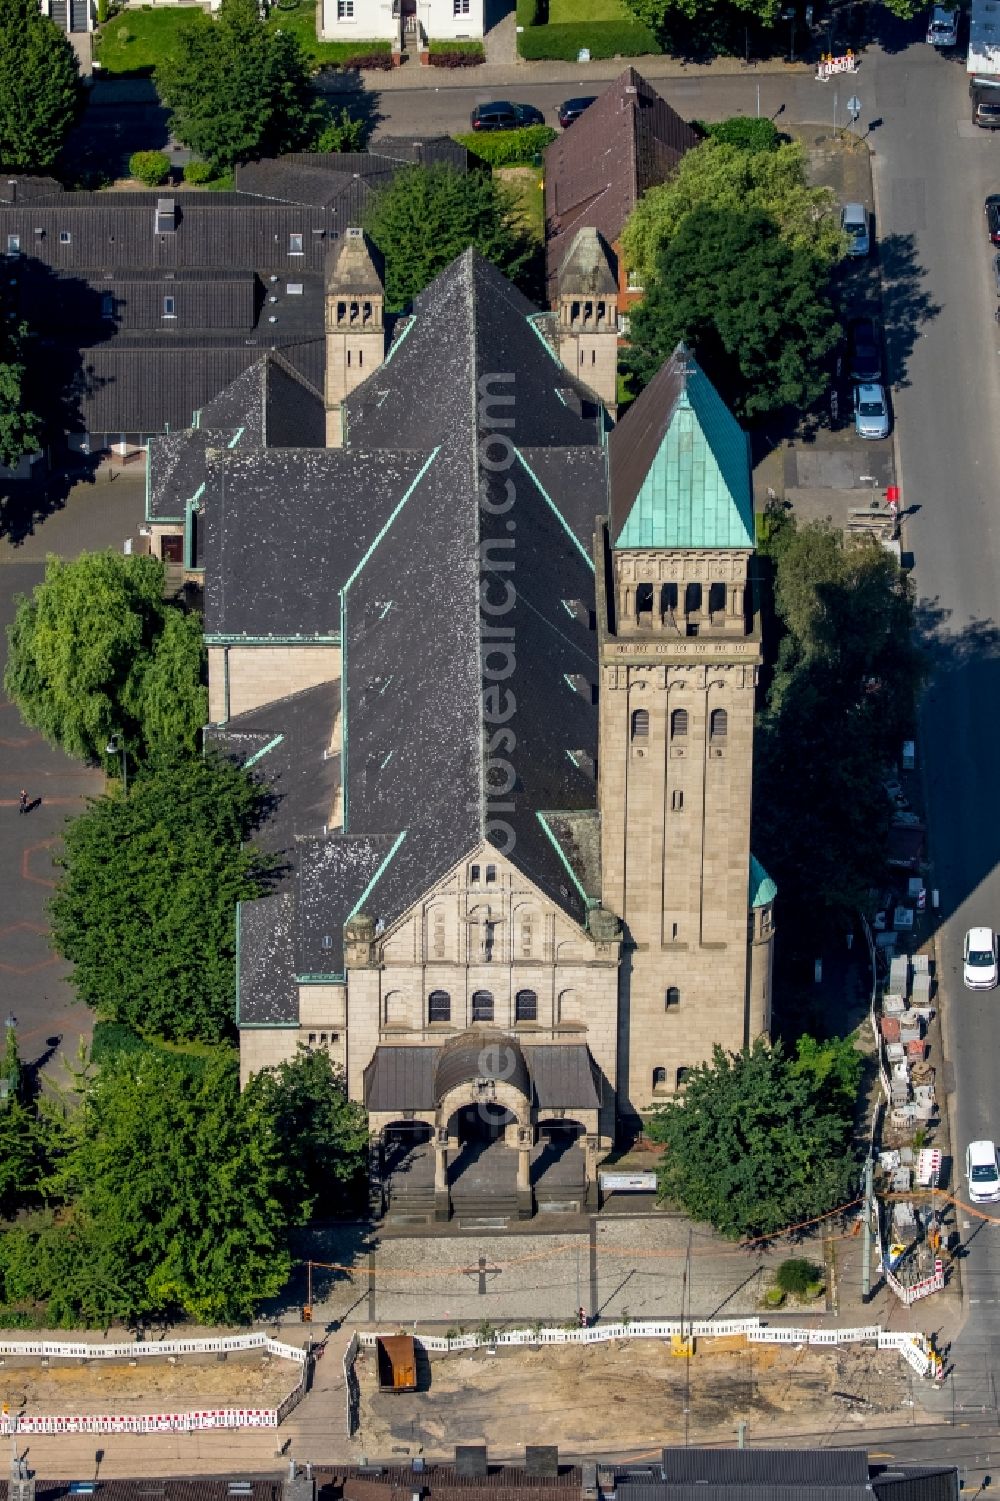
(587, 328)
(355, 325)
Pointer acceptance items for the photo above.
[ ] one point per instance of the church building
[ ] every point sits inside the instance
(496, 657)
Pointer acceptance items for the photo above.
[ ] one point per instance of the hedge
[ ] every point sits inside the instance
(456, 54)
(506, 148)
(376, 56)
(532, 12)
(601, 38)
(198, 172)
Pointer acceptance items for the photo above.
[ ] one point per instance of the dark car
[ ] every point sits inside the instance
(993, 217)
(502, 115)
(572, 109)
(864, 351)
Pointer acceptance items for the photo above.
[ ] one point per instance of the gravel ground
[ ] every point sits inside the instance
(252, 1380)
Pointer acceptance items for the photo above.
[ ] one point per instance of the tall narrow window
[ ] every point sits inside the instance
(526, 1006)
(482, 1006)
(168, 307)
(678, 724)
(13, 244)
(491, 875)
(439, 1006)
(640, 724)
(718, 725)
(677, 800)
(659, 1078)
(473, 875)
(672, 998)
(682, 1077)
(107, 305)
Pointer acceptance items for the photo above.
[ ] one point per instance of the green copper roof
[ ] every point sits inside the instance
(687, 478)
(762, 888)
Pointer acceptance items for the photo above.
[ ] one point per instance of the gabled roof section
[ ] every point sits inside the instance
(629, 140)
(680, 466)
(588, 270)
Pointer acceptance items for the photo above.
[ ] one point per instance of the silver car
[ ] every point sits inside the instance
(871, 411)
(854, 223)
(942, 28)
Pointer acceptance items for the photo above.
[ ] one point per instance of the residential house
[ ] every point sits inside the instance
(402, 20)
(628, 141)
(151, 303)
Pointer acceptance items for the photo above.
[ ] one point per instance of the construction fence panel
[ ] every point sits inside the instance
(149, 1349)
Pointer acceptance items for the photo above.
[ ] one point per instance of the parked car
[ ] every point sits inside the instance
(985, 98)
(854, 223)
(979, 959)
(864, 350)
(502, 115)
(996, 275)
(942, 28)
(993, 217)
(871, 411)
(982, 1171)
(572, 109)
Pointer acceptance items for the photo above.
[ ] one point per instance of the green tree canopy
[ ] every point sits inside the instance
(237, 88)
(733, 179)
(174, 696)
(94, 652)
(842, 698)
(428, 215)
(146, 907)
(753, 1145)
(173, 1184)
(322, 1134)
(20, 427)
(752, 308)
(39, 87)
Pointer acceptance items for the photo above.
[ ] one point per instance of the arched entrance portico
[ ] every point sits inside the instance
(485, 1131)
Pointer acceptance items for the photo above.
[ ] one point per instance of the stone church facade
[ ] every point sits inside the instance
(496, 657)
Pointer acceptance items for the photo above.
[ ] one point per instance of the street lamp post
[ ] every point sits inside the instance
(114, 749)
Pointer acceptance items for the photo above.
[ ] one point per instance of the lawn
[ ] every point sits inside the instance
(134, 41)
(577, 11)
(525, 184)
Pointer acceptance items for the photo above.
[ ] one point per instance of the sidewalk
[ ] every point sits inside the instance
(521, 74)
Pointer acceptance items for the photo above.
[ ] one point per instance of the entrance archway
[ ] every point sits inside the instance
(480, 1123)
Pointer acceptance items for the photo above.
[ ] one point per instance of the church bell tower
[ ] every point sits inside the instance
(355, 326)
(680, 651)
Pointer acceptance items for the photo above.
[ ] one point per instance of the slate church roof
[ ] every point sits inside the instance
(474, 461)
(628, 141)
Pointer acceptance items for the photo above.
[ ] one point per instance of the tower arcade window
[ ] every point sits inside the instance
(659, 1078)
(482, 1006)
(643, 601)
(678, 724)
(671, 998)
(439, 1006)
(682, 1077)
(640, 724)
(718, 726)
(526, 1006)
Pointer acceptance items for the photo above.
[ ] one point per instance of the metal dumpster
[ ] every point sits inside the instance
(397, 1363)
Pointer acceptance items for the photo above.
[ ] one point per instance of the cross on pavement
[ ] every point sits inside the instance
(482, 1270)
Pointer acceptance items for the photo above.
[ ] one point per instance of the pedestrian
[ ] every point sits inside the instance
(23, 807)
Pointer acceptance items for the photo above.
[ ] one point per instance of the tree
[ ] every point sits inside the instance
(95, 652)
(729, 176)
(322, 1133)
(39, 87)
(842, 698)
(752, 1147)
(145, 909)
(174, 697)
(173, 1184)
(237, 88)
(428, 215)
(339, 130)
(20, 427)
(661, 15)
(754, 310)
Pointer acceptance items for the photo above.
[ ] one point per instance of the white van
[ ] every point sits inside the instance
(854, 223)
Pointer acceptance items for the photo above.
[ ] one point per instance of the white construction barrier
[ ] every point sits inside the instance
(151, 1349)
(159, 1422)
(828, 66)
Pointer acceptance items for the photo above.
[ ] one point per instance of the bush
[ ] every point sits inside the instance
(112, 1038)
(504, 148)
(378, 61)
(150, 167)
(601, 38)
(797, 1276)
(198, 172)
(774, 1297)
(745, 132)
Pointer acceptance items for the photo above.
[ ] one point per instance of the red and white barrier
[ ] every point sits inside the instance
(156, 1422)
(829, 65)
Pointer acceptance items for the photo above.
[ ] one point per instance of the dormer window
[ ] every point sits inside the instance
(13, 244)
(65, 238)
(168, 307)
